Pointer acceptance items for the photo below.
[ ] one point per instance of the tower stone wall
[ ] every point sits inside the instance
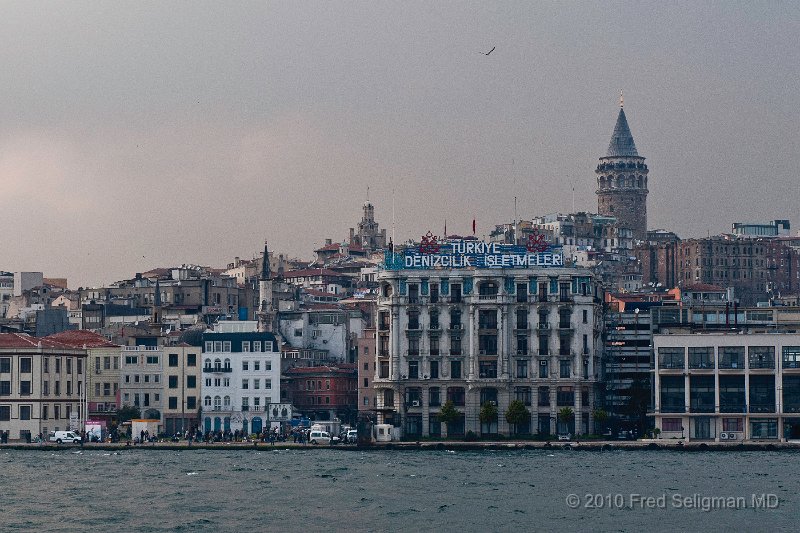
(622, 181)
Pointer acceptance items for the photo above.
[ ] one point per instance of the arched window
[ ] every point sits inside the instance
(217, 364)
(227, 364)
(639, 182)
(207, 401)
(227, 402)
(386, 290)
(208, 364)
(217, 403)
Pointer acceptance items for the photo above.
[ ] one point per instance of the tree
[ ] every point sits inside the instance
(600, 417)
(517, 414)
(488, 413)
(565, 415)
(448, 414)
(128, 412)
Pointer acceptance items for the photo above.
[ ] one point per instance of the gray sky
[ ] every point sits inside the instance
(144, 134)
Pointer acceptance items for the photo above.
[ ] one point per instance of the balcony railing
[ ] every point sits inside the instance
(732, 408)
(543, 325)
(487, 297)
(762, 407)
(702, 365)
(214, 369)
(731, 365)
(762, 364)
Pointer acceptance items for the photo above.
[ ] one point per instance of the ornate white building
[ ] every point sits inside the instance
(475, 335)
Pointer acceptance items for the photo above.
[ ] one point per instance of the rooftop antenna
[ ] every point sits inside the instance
(621, 99)
(367, 193)
(394, 241)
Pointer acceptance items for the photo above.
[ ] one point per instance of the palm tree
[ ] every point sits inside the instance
(566, 414)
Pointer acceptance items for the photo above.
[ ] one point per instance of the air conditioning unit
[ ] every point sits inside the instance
(543, 363)
(733, 436)
(723, 436)
(415, 403)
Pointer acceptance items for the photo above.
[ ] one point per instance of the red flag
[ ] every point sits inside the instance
(473, 226)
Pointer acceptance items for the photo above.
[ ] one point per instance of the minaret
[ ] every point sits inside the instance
(266, 311)
(622, 180)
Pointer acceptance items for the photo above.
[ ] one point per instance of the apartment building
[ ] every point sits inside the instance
(41, 386)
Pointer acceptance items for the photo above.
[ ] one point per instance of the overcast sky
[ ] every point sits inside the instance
(144, 134)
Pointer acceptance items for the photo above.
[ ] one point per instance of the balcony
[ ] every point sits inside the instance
(542, 298)
(521, 298)
(456, 327)
(217, 369)
(543, 326)
(487, 297)
(762, 364)
(565, 298)
(521, 327)
(455, 299)
(383, 353)
(732, 408)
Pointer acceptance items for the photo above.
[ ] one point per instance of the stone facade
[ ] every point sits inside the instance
(485, 335)
(622, 181)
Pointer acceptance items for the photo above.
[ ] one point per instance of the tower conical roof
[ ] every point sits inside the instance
(622, 144)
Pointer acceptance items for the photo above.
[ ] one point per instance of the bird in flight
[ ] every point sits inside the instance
(490, 51)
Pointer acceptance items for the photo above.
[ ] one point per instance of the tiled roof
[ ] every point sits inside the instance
(79, 337)
(21, 340)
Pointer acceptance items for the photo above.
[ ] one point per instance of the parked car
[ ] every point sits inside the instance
(565, 436)
(63, 436)
(319, 437)
(352, 436)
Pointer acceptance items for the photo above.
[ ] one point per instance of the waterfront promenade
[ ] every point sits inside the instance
(653, 444)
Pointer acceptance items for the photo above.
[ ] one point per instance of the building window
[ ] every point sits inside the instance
(434, 369)
(5, 388)
(152, 359)
(543, 369)
(455, 369)
(191, 402)
(761, 356)
(544, 396)
(217, 403)
(256, 384)
(256, 346)
(245, 365)
(671, 424)
(226, 346)
(209, 346)
(384, 370)
(5, 365)
(523, 394)
(245, 346)
(456, 395)
(701, 357)
(172, 402)
(565, 367)
(256, 366)
(671, 357)
(173, 359)
(173, 382)
(413, 369)
(245, 384)
(434, 400)
(487, 369)
(5, 413)
(25, 365)
(522, 368)
(388, 398)
(565, 397)
(24, 412)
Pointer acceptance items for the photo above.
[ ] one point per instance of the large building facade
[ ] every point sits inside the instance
(479, 335)
(42, 385)
(727, 386)
(622, 181)
(241, 378)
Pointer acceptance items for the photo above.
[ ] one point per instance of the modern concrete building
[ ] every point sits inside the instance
(41, 386)
(241, 378)
(727, 386)
(480, 334)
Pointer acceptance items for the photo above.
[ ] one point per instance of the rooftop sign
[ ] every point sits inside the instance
(433, 253)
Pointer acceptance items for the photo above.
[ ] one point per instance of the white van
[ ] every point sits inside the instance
(63, 436)
(319, 437)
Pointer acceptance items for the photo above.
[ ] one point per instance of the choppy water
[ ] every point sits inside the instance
(335, 490)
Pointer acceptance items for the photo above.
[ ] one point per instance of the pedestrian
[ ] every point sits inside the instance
(141, 437)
